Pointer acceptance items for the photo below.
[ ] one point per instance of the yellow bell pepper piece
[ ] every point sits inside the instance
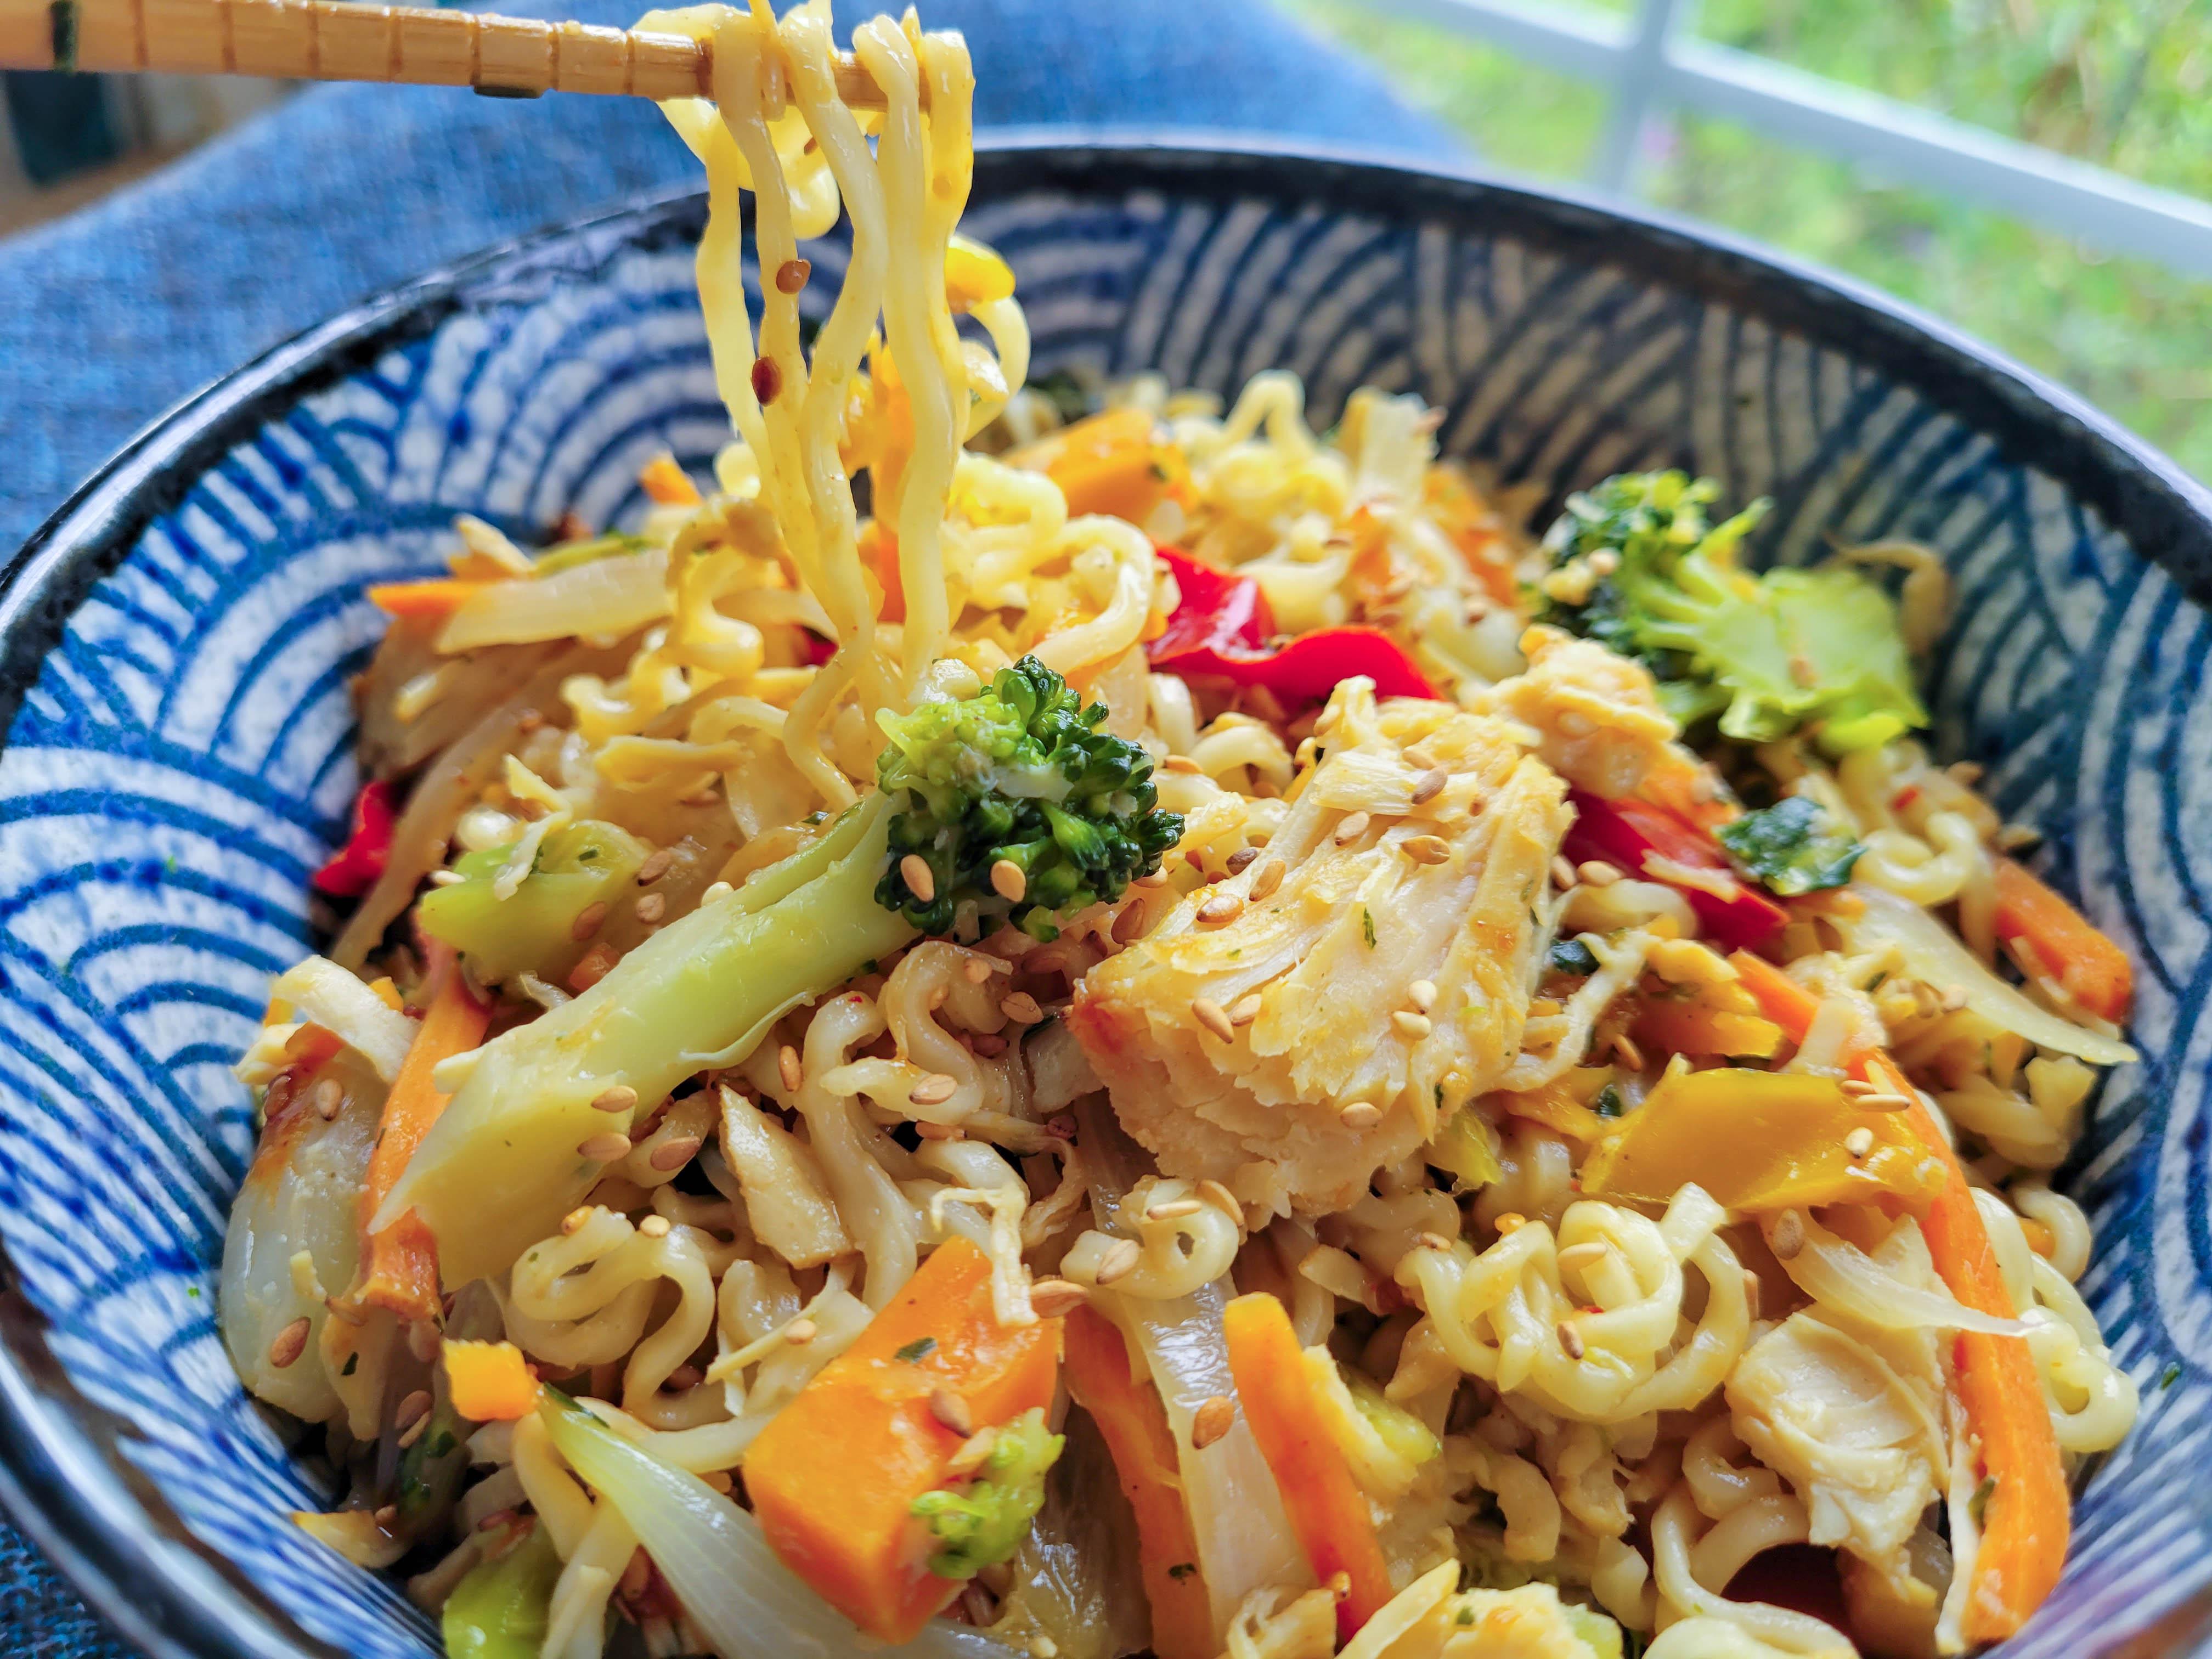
(1565, 1105)
(974, 275)
(1762, 1140)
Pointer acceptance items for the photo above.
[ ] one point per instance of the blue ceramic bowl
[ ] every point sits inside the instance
(178, 642)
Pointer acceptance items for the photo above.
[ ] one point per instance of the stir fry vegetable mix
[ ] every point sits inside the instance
(919, 1456)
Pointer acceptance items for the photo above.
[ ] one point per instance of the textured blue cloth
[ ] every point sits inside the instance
(107, 317)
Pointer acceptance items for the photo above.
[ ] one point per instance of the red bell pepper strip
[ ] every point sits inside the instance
(353, 868)
(1221, 624)
(1623, 833)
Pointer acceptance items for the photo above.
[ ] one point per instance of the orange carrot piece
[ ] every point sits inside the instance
(1103, 464)
(2090, 968)
(1103, 1378)
(666, 482)
(1326, 1509)
(423, 601)
(2029, 1516)
(879, 547)
(400, 1262)
(833, 1478)
(490, 1382)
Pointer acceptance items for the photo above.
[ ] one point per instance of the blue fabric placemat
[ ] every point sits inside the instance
(114, 314)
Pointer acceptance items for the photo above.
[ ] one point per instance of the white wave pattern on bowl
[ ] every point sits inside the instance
(182, 763)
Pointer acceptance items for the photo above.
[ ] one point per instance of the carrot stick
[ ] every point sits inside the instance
(423, 601)
(834, 1477)
(399, 1263)
(2028, 1517)
(667, 484)
(2089, 967)
(1326, 1509)
(1104, 1382)
(489, 1382)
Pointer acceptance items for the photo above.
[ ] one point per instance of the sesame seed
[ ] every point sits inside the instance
(1129, 926)
(446, 878)
(1859, 1142)
(1422, 994)
(787, 1066)
(651, 906)
(573, 1223)
(791, 275)
(1571, 1340)
(1183, 764)
(921, 880)
(1954, 998)
(1412, 1025)
(672, 1155)
(328, 1098)
(423, 1340)
(1563, 873)
(620, 1098)
(975, 1451)
(1061, 1126)
(800, 1332)
(1353, 826)
(952, 1411)
(1212, 1420)
(1245, 1009)
(1788, 1236)
(977, 969)
(654, 1227)
(603, 1149)
(654, 867)
(1222, 1200)
(717, 890)
(412, 1410)
(1119, 1261)
(1885, 1102)
(291, 1342)
(588, 920)
(1427, 1240)
(1213, 1016)
(1428, 849)
(593, 969)
(1221, 907)
(1339, 1585)
(415, 1431)
(1174, 1209)
(767, 380)
(1430, 785)
(1008, 882)
(1595, 873)
(1052, 1297)
(1156, 879)
(1856, 1087)
(1269, 878)
(1022, 1008)
(934, 1088)
(1242, 859)
(1628, 1054)
(1360, 1114)
(989, 1044)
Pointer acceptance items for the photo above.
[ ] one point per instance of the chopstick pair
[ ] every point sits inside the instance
(337, 40)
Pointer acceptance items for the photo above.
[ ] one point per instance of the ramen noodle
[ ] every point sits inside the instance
(1173, 1037)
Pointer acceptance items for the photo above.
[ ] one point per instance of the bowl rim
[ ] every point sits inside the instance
(62, 1480)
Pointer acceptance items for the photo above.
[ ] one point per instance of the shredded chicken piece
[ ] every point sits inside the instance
(1597, 713)
(1416, 849)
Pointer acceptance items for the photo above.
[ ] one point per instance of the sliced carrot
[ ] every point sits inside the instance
(1104, 1379)
(423, 601)
(834, 1477)
(2089, 967)
(490, 1382)
(1326, 1509)
(667, 482)
(2028, 1518)
(1103, 464)
(400, 1262)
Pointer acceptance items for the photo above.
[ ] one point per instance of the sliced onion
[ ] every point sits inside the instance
(338, 1002)
(1837, 1273)
(714, 1556)
(1244, 1540)
(1932, 953)
(608, 596)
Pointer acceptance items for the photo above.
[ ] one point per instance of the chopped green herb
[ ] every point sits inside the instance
(191, 1292)
(2170, 1376)
(1980, 1501)
(61, 18)
(1793, 846)
(1367, 925)
(1608, 1104)
(347, 1369)
(1572, 955)
(1464, 1616)
(918, 1350)
(1182, 1569)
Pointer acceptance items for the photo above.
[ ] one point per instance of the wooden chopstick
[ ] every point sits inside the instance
(340, 40)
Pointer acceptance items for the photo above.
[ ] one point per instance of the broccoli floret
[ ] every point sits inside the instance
(1639, 569)
(1018, 771)
(1793, 846)
(985, 1523)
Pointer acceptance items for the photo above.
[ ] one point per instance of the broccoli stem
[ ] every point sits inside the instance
(501, 1167)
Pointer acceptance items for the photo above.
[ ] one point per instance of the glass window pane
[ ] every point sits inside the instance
(2125, 84)
(1519, 117)
(2133, 337)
